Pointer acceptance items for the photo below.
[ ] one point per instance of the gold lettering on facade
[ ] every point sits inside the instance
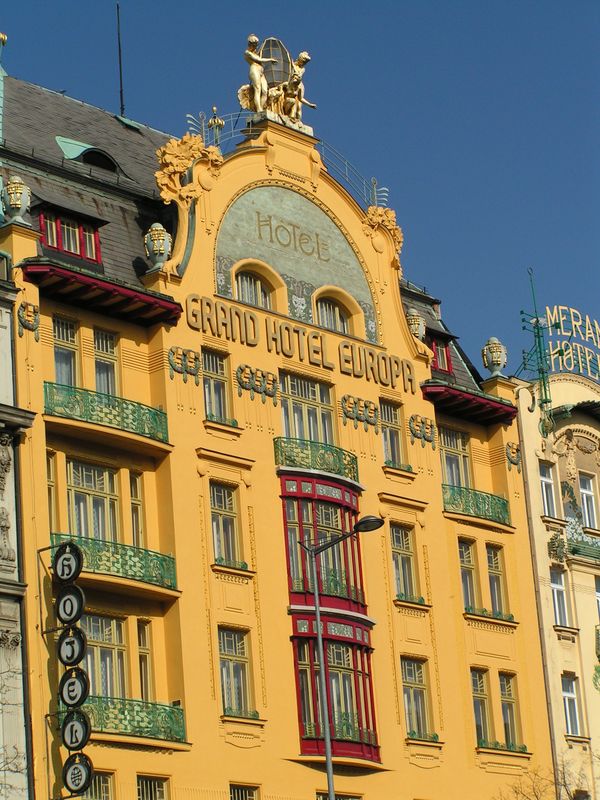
(287, 339)
(567, 354)
(290, 236)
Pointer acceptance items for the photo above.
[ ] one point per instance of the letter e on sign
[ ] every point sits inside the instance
(74, 687)
(67, 562)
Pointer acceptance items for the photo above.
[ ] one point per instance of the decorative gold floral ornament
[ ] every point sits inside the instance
(175, 159)
(378, 218)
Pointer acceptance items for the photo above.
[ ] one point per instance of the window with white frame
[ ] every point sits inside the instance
(588, 503)
(571, 704)
(234, 665)
(152, 788)
(510, 709)
(415, 694)
(481, 708)
(454, 451)
(251, 289)
(307, 409)
(216, 386)
(559, 597)
(237, 792)
(224, 521)
(92, 500)
(468, 573)
(106, 655)
(332, 316)
(547, 485)
(101, 787)
(65, 351)
(403, 556)
(391, 432)
(105, 361)
(495, 563)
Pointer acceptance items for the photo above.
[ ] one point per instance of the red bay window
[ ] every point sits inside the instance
(71, 236)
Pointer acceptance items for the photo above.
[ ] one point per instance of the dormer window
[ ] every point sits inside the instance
(441, 356)
(71, 236)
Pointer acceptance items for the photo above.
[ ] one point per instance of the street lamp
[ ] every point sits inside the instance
(363, 525)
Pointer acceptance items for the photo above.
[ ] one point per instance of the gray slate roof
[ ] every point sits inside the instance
(125, 203)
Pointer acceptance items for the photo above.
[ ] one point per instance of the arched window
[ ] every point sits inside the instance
(252, 290)
(332, 316)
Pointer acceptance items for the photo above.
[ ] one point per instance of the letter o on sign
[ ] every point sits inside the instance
(74, 687)
(70, 603)
(77, 773)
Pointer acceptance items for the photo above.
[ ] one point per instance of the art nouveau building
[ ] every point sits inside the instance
(562, 473)
(201, 412)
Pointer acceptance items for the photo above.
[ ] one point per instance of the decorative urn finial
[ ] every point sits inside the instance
(15, 198)
(158, 243)
(416, 323)
(494, 355)
(217, 123)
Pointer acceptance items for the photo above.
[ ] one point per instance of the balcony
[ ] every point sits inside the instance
(316, 456)
(122, 560)
(136, 718)
(461, 500)
(105, 409)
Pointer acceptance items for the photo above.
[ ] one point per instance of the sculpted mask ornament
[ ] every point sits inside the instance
(384, 218)
(5, 461)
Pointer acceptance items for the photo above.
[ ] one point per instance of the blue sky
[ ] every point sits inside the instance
(482, 118)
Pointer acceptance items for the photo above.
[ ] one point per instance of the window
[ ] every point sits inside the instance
(105, 355)
(404, 562)
(597, 581)
(70, 236)
(454, 449)
(105, 658)
(495, 562)
(547, 484)
(50, 478)
(510, 715)
(307, 409)
(414, 689)
(391, 433)
(137, 508)
(588, 506)
(332, 316)
(252, 290)
(235, 668)
(65, 351)
(143, 633)
(348, 681)
(243, 792)
(101, 787)
(216, 403)
(92, 500)
(559, 597)
(570, 704)
(152, 788)
(479, 687)
(317, 522)
(225, 526)
(468, 573)
(441, 356)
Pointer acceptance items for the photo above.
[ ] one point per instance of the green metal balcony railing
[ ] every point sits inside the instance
(423, 736)
(122, 560)
(584, 546)
(486, 612)
(511, 747)
(345, 727)
(315, 456)
(136, 718)
(246, 713)
(462, 500)
(105, 409)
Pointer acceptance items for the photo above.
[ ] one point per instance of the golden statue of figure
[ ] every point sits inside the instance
(294, 89)
(254, 96)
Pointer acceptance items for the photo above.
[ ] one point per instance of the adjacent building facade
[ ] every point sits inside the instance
(560, 444)
(259, 378)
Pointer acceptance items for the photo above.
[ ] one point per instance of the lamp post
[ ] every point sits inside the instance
(363, 525)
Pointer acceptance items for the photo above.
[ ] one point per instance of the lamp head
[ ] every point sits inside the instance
(367, 523)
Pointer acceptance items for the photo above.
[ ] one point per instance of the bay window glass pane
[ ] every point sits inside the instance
(64, 365)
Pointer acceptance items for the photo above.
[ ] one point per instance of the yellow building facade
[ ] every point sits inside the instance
(268, 381)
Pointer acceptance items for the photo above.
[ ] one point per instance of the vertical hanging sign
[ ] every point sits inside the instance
(74, 686)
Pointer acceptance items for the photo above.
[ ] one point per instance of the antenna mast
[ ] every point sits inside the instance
(122, 98)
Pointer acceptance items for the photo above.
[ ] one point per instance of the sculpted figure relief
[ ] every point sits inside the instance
(282, 95)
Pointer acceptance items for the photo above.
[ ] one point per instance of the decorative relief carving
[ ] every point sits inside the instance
(378, 218)
(184, 362)
(10, 639)
(557, 547)
(513, 456)
(7, 553)
(5, 460)
(257, 381)
(28, 315)
(422, 428)
(358, 410)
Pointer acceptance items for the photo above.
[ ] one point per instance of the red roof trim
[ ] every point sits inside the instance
(134, 305)
(470, 406)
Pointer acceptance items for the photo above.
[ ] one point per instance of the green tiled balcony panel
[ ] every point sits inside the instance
(305, 454)
(461, 500)
(136, 718)
(105, 409)
(123, 560)
(586, 549)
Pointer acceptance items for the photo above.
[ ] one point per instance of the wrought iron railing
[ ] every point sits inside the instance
(227, 562)
(462, 500)
(423, 736)
(136, 718)
(105, 409)
(398, 465)
(485, 612)
(511, 747)
(410, 598)
(233, 423)
(333, 582)
(306, 454)
(345, 727)
(125, 561)
(240, 712)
